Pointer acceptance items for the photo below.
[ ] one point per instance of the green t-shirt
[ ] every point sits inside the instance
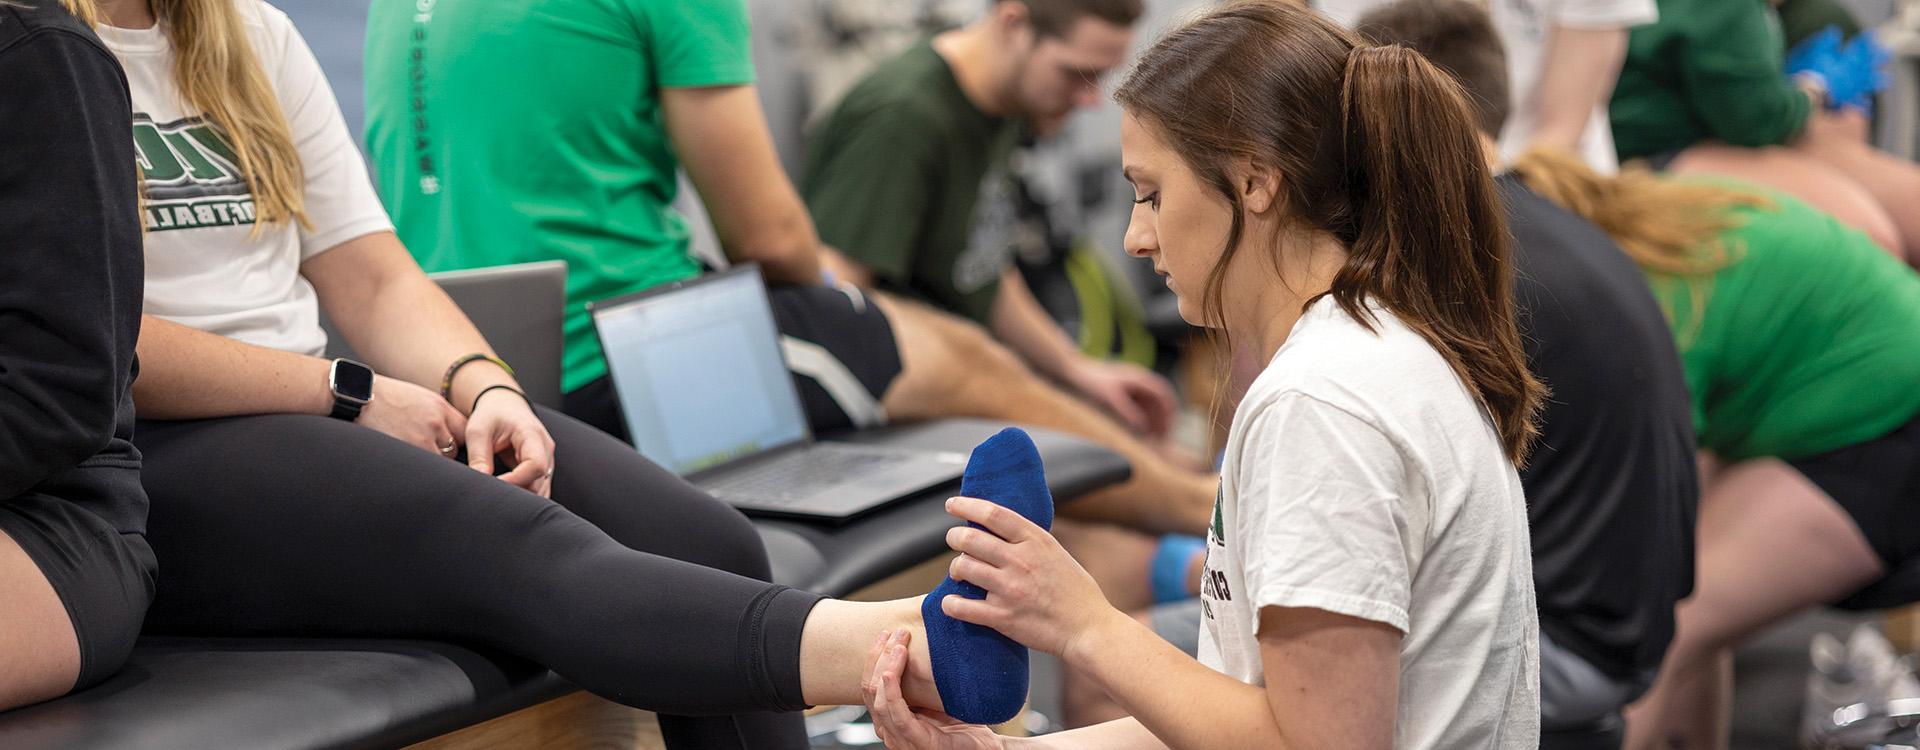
(523, 130)
(909, 178)
(1708, 69)
(1809, 342)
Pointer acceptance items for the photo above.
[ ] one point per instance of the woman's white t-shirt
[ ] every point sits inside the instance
(205, 267)
(1362, 478)
(1525, 28)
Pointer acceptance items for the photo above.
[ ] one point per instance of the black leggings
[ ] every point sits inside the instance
(630, 583)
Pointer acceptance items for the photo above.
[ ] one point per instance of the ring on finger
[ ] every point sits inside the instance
(447, 448)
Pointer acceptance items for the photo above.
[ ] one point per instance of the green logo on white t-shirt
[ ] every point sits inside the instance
(192, 176)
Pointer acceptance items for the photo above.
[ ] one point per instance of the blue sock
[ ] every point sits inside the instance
(981, 674)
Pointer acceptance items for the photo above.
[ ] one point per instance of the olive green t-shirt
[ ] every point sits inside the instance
(513, 131)
(908, 177)
(1707, 70)
(1809, 342)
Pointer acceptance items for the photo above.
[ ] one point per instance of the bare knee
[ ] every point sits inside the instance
(949, 366)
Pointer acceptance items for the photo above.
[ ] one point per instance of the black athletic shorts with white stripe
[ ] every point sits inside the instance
(839, 348)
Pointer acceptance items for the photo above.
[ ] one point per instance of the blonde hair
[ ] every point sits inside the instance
(1674, 230)
(217, 71)
(85, 10)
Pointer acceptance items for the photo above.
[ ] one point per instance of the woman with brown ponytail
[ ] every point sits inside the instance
(1801, 345)
(1325, 206)
(76, 574)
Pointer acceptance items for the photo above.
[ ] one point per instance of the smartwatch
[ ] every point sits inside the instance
(352, 386)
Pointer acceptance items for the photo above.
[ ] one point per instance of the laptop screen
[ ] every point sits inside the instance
(699, 372)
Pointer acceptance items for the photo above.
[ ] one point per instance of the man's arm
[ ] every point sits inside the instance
(1141, 399)
(1024, 326)
(1581, 68)
(720, 135)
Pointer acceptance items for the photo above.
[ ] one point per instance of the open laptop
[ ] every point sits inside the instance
(699, 372)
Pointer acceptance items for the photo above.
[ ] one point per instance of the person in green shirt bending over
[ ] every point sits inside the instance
(1705, 91)
(907, 177)
(527, 130)
(1798, 341)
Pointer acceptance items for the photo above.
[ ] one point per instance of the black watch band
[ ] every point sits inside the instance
(352, 387)
(344, 409)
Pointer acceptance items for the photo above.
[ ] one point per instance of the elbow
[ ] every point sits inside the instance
(787, 252)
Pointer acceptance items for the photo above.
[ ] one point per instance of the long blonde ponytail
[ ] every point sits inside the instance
(219, 73)
(1675, 230)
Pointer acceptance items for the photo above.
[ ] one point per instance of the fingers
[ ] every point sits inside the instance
(892, 719)
(1130, 413)
(1160, 404)
(1003, 522)
(874, 652)
(976, 611)
(980, 545)
(971, 570)
(481, 435)
(533, 445)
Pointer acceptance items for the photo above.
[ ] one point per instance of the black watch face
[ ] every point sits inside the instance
(353, 380)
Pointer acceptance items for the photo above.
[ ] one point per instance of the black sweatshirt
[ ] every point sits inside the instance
(71, 268)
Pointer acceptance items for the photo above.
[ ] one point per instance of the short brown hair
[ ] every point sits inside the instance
(1457, 36)
(1054, 18)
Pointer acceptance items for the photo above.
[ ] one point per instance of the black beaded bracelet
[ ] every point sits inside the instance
(489, 389)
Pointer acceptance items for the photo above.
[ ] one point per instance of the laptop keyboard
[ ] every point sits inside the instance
(792, 478)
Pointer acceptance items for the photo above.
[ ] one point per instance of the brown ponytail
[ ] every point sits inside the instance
(1376, 148)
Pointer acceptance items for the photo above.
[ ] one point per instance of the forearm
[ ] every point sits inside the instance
(402, 323)
(784, 245)
(1140, 670)
(435, 335)
(1581, 68)
(1024, 326)
(186, 373)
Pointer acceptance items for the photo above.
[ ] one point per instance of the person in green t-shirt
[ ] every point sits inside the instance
(1798, 339)
(1704, 90)
(907, 177)
(519, 131)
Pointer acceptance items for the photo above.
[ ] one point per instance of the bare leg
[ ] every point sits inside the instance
(1770, 544)
(1894, 183)
(1803, 176)
(836, 645)
(39, 654)
(951, 368)
(1119, 559)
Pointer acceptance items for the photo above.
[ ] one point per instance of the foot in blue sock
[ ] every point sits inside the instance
(981, 674)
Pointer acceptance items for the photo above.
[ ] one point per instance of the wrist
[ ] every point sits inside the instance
(1094, 639)
(467, 388)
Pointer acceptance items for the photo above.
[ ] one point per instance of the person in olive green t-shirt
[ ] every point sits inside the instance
(1798, 339)
(907, 177)
(526, 130)
(1704, 90)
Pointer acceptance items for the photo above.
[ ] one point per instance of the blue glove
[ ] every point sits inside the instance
(1861, 74)
(1852, 71)
(1818, 54)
